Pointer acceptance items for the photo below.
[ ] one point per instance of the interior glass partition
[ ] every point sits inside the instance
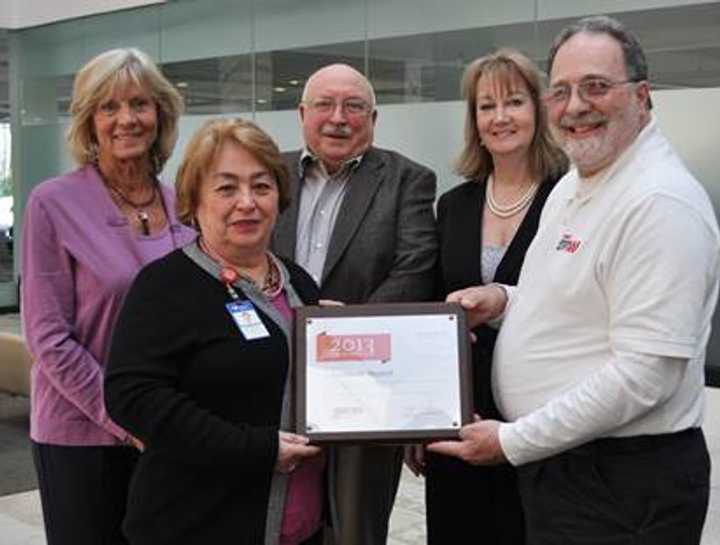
(7, 209)
(252, 58)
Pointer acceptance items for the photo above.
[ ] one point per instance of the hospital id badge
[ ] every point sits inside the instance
(247, 320)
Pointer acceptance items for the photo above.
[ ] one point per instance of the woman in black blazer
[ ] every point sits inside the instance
(485, 227)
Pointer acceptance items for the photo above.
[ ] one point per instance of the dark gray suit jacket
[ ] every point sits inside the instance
(384, 244)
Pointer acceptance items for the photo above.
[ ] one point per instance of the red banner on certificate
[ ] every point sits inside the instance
(353, 347)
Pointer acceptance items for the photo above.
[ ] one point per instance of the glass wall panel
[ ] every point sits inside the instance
(294, 39)
(281, 75)
(403, 17)
(130, 28)
(428, 67)
(289, 24)
(214, 85)
(191, 29)
(682, 44)
(252, 57)
(6, 185)
(559, 9)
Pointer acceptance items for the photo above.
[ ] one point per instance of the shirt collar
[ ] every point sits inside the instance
(307, 158)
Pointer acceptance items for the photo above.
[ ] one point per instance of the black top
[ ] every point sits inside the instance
(460, 218)
(205, 402)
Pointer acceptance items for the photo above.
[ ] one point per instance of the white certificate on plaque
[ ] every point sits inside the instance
(383, 372)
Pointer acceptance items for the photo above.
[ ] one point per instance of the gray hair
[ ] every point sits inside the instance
(635, 62)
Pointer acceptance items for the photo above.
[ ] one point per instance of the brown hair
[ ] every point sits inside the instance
(203, 149)
(505, 65)
(100, 77)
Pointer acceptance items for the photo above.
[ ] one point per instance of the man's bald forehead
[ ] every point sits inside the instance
(339, 70)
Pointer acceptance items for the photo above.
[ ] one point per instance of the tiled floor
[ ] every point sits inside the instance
(21, 518)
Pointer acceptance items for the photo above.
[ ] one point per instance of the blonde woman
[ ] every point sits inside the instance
(86, 234)
(485, 227)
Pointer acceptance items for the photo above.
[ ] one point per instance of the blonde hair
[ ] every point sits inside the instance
(203, 149)
(505, 66)
(113, 70)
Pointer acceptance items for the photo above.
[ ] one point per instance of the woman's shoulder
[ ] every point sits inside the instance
(66, 185)
(73, 194)
(460, 197)
(462, 191)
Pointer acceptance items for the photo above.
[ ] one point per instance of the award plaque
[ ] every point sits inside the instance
(395, 373)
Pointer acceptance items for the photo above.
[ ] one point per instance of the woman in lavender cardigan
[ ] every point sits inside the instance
(86, 234)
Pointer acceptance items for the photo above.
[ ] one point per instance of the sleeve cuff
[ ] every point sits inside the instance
(507, 439)
(496, 322)
(513, 446)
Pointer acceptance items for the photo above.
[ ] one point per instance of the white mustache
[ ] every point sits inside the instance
(570, 121)
(341, 131)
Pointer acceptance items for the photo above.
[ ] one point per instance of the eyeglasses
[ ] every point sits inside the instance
(588, 90)
(351, 106)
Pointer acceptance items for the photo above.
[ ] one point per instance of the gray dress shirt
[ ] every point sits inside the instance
(321, 196)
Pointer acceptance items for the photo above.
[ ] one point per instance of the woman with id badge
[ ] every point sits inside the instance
(200, 362)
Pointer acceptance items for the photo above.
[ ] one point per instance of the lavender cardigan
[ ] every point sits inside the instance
(79, 257)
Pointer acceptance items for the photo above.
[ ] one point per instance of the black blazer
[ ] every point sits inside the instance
(459, 218)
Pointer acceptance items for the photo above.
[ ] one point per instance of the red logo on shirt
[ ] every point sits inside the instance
(568, 244)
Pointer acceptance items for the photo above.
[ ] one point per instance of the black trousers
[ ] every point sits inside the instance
(83, 491)
(472, 504)
(316, 539)
(644, 490)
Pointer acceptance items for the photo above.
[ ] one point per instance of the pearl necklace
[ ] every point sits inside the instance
(507, 211)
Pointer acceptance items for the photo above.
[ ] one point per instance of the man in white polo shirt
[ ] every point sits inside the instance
(600, 356)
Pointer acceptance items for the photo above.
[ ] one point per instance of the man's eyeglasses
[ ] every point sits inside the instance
(588, 90)
(351, 106)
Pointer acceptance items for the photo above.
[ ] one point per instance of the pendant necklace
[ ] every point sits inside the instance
(506, 211)
(139, 208)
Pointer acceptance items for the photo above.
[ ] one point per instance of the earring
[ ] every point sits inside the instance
(93, 153)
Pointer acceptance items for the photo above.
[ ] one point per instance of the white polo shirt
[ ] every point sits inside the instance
(607, 330)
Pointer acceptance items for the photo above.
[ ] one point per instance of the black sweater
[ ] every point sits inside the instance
(205, 401)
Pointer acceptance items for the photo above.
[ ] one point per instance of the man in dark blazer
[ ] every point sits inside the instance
(362, 223)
